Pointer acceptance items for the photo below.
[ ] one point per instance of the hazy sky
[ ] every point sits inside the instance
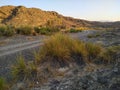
(105, 10)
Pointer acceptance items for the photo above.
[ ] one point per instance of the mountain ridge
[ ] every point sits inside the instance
(20, 15)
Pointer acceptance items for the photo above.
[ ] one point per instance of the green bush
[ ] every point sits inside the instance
(74, 30)
(10, 31)
(2, 29)
(42, 30)
(25, 30)
(24, 71)
(46, 30)
(7, 31)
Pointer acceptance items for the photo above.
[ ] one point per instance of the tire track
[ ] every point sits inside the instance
(19, 47)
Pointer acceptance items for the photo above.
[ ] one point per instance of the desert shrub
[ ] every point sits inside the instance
(42, 30)
(3, 84)
(19, 70)
(37, 57)
(7, 31)
(56, 48)
(32, 71)
(2, 29)
(22, 71)
(79, 49)
(74, 30)
(94, 50)
(110, 54)
(25, 30)
(46, 30)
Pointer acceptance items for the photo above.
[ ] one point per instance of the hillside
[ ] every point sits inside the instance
(20, 15)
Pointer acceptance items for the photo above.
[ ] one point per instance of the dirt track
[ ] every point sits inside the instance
(16, 46)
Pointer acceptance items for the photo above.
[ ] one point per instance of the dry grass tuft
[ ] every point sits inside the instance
(3, 84)
(60, 50)
(24, 71)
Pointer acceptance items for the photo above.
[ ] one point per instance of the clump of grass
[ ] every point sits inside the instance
(25, 30)
(37, 57)
(94, 50)
(110, 54)
(61, 50)
(3, 85)
(23, 71)
(19, 70)
(56, 48)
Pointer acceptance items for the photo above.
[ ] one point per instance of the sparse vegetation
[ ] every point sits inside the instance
(46, 30)
(84, 65)
(3, 85)
(23, 71)
(2, 30)
(94, 50)
(42, 30)
(20, 69)
(25, 30)
(7, 31)
(74, 30)
(61, 51)
(111, 54)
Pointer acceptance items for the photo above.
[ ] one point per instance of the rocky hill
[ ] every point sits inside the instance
(20, 15)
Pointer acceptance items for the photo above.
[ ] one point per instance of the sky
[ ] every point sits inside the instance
(93, 10)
